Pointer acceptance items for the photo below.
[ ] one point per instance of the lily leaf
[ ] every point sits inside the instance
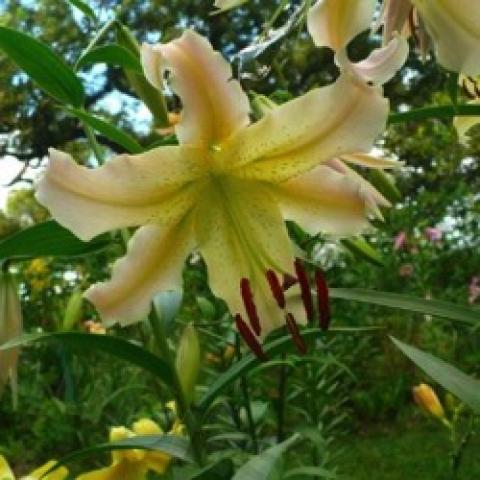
(174, 446)
(110, 131)
(111, 55)
(48, 239)
(466, 388)
(266, 465)
(83, 7)
(362, 249)
(43, 66)
(108, 344)
(438, 308)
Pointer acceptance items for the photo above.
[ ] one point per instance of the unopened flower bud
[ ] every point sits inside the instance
(73, 311)
(229, 353)
(188, 360)
(10, 327)
(426, 398)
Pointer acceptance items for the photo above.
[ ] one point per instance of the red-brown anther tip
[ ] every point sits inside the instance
(295, 334)
(288, 281)
(276, 288)
(323, 300)
(250, 307)
(250, 338)
(304, 289)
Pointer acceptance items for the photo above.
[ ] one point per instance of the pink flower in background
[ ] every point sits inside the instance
(400, 241)
(433, 234)
(474, 290)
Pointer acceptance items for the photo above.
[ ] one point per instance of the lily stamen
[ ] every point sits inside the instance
(250, 338)
(250, 306)
(276, 287)
(294, 331)
(304, 289)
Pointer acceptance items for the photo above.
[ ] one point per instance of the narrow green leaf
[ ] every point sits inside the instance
(48, 239)
(220, 470)
(109, 344)
(111, 55)
(385, 183)
(110, 131)
(466, 388)
(308, 473)
(43, 66)
(362, 249)
(83, 7)
(266, 464)
(174, 446)
(450, 311)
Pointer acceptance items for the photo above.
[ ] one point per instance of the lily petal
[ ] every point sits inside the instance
(454, 26)
(370, 161)
(241, 234)
(122, 470)
(153, 263)
(326, 200)
(129, 190)
(58, 474)
(5, 471)
(381, 65)
(334, 23)
(342, 118)
(224, 5)
(214, 105)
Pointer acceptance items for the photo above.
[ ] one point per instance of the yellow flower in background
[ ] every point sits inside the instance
(134, 464)
(226, 190)
(471, 88)
(60, 473)
(426, 398)
(11, 326)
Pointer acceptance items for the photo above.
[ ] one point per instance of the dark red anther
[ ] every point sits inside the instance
(276, 288)
(323, 300)
(250, 338)
(288, 281)
(295, 334)
(250, 307)
(304, 289)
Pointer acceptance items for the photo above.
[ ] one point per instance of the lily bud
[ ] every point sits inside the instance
(426, 398)
(73, 311)
(10, 327)
(188, 360)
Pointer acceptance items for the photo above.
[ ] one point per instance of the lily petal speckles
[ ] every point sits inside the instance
(223, 190)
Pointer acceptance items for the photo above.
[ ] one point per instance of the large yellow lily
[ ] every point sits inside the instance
(225, 190)
(133, 464)
(60, 473)
(452, 25)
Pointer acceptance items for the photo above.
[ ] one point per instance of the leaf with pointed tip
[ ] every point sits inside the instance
(267, 464)
(438, 308)
(48, 239)
(115, 346)
(43, 66)
(466, 388)
(83, 7)
(112, 55)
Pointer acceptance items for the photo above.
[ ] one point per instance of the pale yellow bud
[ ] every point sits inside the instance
(426, 398)
(73, 311)
(10, 327)
(188, 360)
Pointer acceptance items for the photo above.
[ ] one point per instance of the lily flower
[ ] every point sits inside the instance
(134, 464)
(11, 326)
(451, 26)
(226, 190)
(60, 473)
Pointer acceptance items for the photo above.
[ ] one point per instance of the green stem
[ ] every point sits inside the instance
(459, 451)
(246, 401)
(282, 392)
(183, 408)
(95, 146)
(440, 111)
